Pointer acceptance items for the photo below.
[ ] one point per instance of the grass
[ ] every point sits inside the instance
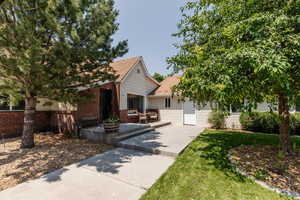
(204, 172)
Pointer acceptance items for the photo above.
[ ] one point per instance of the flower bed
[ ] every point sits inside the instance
(50, 153)
(265, 164)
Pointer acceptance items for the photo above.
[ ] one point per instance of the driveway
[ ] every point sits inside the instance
(117, 174)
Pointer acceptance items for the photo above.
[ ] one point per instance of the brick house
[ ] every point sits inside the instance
(128, 92)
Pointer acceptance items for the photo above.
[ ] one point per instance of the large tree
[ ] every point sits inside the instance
(158, 77)
(48, 48)
(241, 49)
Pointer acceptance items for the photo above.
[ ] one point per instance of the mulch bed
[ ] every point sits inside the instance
(50, 153)
(266, 164)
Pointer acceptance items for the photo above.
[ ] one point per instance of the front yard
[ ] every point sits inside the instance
(203, 171)
(51, 153)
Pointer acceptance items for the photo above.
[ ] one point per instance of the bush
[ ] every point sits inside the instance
(267, 122)
(217, 119)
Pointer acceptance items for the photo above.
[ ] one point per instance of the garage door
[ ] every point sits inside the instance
(189, 113)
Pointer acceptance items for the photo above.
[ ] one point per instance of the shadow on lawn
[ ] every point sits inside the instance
(217, 144)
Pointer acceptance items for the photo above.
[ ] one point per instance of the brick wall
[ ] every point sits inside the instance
(124, 118)
(90, 108)
(11, 123)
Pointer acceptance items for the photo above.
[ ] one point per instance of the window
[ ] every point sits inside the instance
(135, 102)
(6, 104)
(167, 102)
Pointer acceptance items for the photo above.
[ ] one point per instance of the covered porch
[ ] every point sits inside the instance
(103, 103)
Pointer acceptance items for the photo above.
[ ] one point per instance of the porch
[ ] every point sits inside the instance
(127, 130)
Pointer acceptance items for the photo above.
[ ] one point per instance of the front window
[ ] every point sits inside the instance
(135, 103)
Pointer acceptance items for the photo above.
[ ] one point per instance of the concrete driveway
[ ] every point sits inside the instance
(119, 174)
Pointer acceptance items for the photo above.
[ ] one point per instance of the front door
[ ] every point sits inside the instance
(106, 104)
(189, 113)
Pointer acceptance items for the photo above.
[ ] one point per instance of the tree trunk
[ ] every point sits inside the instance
(28, 128)
(284, 130)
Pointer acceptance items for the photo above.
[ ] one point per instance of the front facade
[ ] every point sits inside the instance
(133, 92)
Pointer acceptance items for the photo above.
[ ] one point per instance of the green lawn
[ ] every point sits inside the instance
(203, 171)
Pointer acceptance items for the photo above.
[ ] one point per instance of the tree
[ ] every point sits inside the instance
(242, 49)
(158, 77)
(48, 48)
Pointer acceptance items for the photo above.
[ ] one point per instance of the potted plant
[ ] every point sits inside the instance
(111, 125)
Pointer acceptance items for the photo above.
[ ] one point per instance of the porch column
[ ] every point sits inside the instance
(145, 104)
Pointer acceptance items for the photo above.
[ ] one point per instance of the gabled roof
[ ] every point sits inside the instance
(166, 86)
(122, 67)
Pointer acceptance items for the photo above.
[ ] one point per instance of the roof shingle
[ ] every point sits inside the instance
(122, 67)
(167, 85)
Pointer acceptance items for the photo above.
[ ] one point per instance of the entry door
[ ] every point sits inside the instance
(106, 104)
(189, 113)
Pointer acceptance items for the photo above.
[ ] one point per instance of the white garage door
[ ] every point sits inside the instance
(189, 113)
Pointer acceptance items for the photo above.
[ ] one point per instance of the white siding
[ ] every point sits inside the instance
(135, 83)
(43, 105)
(173, 114)
(233, 121)
(263, 107)
(203, 115)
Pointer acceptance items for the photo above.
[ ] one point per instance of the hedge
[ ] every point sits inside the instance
(267, 122)
(217, 119)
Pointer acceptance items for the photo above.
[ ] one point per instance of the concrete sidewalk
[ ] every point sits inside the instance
(169, 140)
(119, 174)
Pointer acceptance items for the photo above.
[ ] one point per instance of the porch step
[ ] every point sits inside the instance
(117, 138)
(160, 124)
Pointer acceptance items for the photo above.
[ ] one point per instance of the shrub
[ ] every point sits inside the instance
(217, 119)
(267, 122)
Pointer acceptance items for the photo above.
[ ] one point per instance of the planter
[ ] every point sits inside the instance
(111, 127)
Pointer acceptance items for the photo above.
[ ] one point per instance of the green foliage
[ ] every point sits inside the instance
(267, 122)
(261, 174)
(48, 48)
(242, 49)
(112, 119)
(217, 119)
(203, 171)
(158, 77)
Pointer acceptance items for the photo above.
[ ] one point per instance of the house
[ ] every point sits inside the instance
(134, 91)
(127, 94)
(122, 97)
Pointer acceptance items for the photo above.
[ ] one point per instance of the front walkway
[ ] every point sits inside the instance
(117, 174)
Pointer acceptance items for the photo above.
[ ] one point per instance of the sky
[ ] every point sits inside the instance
(148, 26)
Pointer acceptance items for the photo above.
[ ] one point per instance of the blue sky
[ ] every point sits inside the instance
(148, 26)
